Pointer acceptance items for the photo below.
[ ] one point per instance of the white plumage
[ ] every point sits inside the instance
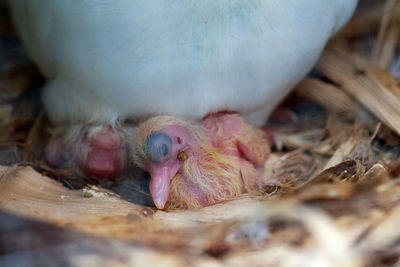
(107, 60)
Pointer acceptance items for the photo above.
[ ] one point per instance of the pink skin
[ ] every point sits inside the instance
(182, 140)
(284, 115)
(53, 151)
(97, 152)
(103, 157)
(160, 181)
(230, 126)
(162, 173)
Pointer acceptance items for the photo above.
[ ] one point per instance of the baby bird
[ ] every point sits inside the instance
(110, 61)
(196, 165)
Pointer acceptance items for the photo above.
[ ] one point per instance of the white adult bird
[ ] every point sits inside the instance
(108, 61)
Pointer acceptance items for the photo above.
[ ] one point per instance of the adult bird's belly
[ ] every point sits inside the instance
(133, 59)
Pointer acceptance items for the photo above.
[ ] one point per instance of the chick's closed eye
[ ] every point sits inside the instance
(158, 147)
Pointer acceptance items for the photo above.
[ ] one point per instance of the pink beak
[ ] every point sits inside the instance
(159, 184)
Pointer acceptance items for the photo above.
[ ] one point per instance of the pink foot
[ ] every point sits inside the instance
(96, 151)
(284, 115)
(302, 116)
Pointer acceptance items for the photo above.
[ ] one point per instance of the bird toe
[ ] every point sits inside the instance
(93, 151)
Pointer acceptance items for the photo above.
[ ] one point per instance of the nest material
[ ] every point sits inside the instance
(329, 198)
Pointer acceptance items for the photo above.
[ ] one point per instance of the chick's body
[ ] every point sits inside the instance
(220, 162)
(106, 60)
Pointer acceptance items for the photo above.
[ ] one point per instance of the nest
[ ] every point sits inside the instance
(330, 189)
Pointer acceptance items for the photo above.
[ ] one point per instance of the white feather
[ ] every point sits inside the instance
(107, 59)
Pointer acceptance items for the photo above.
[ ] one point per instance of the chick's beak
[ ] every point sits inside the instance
(161, 177)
